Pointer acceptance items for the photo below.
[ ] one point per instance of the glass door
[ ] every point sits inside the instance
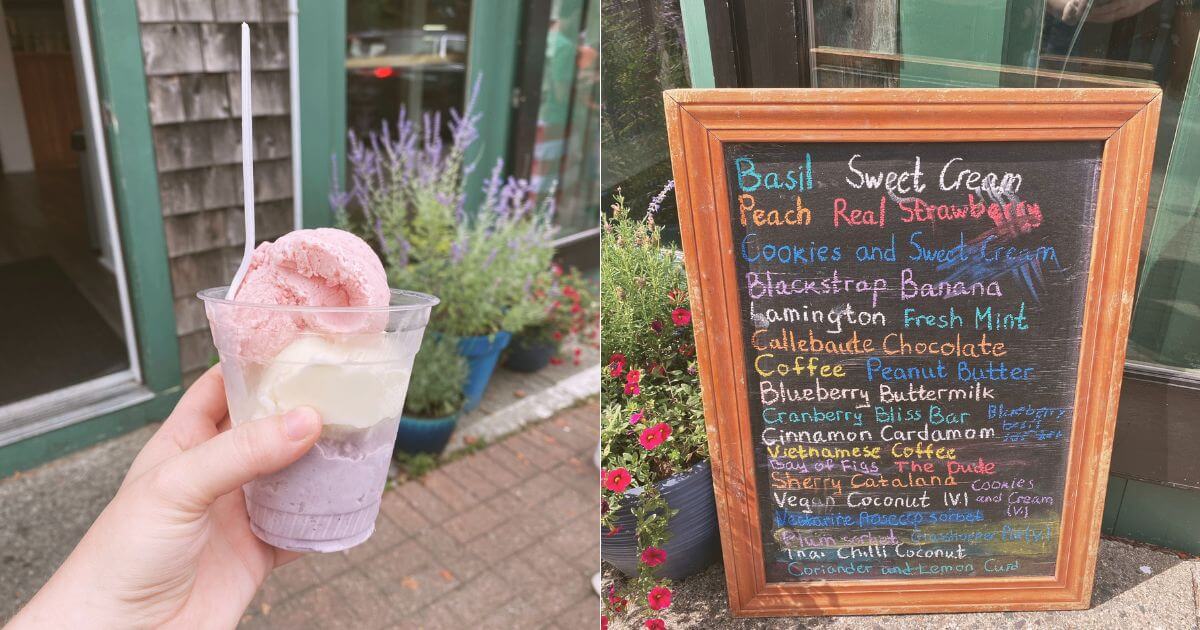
(68, 332)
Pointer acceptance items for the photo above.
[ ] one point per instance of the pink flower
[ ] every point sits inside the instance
(636, 417)
(617, 479)
(659, 598)
(681, 316)
(616, 365)
(653, 556)
(632, 388)
(656, 624)
(603, 622)
(655, 435)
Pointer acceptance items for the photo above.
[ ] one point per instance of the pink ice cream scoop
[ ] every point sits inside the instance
(321, 267)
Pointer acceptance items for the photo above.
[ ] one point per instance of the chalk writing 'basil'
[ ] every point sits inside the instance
(912, 315)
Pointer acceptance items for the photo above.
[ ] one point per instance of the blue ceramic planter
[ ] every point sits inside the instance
(695, 541)
(526, 356)
(481, 354)
(424, 435)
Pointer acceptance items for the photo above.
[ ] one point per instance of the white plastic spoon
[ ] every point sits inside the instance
(247, 165)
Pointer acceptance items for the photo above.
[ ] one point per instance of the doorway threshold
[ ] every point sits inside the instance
(54, 410)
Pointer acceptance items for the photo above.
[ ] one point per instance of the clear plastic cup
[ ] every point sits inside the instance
(351, 364)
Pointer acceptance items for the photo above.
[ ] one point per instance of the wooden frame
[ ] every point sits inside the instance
(701, 122)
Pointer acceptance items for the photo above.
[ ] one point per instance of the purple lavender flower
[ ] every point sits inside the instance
(656, 202)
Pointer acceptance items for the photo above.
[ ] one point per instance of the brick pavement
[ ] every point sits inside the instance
(502, 538)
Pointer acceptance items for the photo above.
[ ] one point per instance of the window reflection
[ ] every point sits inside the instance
(1056, 43)
(643, 55)
(410, 54)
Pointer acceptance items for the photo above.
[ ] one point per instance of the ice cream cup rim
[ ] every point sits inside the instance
(216, 295)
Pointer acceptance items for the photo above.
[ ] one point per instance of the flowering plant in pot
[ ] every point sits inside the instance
(658, 510)
(571, 318)
(406, 195)
(435, 398)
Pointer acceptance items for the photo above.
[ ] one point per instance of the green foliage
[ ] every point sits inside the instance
(482, 269)
(415, 465)
(571, 308)
(435, 389)
(643, 286)
(405, 195)
(653, 516)
(650, 382)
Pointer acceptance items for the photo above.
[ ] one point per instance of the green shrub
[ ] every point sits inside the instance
(435, 389)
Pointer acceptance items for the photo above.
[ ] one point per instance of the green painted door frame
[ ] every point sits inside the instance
(492, 53)
(322, 37)
(122, 85)
(695, 40)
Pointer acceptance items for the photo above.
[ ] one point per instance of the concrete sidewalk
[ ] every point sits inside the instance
(1136, 588)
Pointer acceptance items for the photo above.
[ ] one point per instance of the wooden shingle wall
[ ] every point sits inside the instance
(191, 50)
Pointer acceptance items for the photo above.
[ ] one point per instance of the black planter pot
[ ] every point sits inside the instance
(525, 355)
(695, 541)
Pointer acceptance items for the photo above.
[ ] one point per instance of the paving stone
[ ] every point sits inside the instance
(449, 491)
(581, 477)
(366, 599)
(414, 592)
(568, 504)
(479, 597)
(424, 502)
(295, 576)
(583, 615)
(399, 562)
(474, 522)
(524, 445)
(450, 555)
(498, 544)
(433, 618)
(386, 536)
(493, 468)
(550, 439)
(323, 603)
(406, 517)
(536, 490)
(465, 475)
(573, 435)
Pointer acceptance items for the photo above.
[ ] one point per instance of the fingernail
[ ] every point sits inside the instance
(300, 423)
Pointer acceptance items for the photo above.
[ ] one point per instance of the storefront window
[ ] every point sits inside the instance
(565, 153)
(411, 54)
(643, 45)
(1056, 43)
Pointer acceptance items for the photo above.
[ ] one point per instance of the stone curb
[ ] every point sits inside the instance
(533, 408)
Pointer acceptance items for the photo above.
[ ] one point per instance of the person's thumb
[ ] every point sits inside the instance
(200, 475)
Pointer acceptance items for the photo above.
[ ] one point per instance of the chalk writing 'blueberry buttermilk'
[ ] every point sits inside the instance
(890, 356)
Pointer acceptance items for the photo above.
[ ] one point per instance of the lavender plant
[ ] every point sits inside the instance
(405, 194)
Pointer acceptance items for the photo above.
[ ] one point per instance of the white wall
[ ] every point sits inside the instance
(15, 151)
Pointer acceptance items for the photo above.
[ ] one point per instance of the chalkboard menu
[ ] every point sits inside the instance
(913, 317)
(910, 310)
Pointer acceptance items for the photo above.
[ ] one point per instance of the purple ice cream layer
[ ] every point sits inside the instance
(328, 499)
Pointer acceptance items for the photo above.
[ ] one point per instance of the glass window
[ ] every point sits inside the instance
(411, 54)
(565, 153)
(1056, 43)
(643, 55)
